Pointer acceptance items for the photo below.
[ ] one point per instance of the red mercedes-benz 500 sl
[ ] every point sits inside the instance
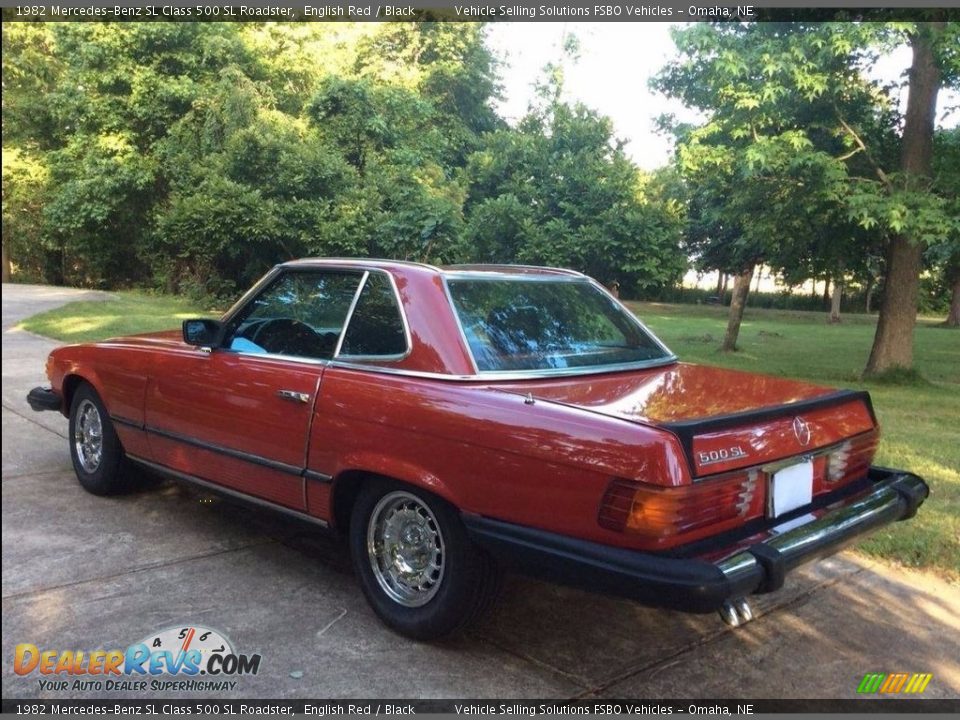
(454, 421)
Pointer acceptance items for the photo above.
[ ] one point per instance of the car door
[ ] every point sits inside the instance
(239, 415)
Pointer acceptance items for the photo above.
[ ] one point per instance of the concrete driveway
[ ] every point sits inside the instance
(87, 573)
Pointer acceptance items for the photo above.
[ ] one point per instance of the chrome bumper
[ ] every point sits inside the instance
(895, 495)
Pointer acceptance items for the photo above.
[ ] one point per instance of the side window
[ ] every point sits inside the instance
(299, 314)
(376, 327)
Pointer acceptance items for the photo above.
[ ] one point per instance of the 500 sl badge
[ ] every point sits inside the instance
(709, 457)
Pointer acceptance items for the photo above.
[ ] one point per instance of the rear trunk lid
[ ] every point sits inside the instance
(725, 419)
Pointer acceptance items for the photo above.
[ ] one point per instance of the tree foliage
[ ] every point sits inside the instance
(193, 156)
(559, 190)
(802, 160)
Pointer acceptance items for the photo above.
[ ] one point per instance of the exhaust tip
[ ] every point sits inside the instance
(728, 613)
(736, 612)
(743, 610)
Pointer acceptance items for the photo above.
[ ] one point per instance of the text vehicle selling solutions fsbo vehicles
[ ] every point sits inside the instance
(450, 422)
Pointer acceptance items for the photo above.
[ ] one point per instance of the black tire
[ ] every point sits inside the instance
(105, 476)
(465, 588)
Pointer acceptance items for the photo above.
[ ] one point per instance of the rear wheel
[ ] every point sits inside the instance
(416, 565)
(94, 446)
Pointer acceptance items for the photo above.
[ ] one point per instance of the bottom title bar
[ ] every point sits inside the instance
(529, 708)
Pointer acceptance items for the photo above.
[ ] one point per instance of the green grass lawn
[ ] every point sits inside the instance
(920, 421)
(127, 313)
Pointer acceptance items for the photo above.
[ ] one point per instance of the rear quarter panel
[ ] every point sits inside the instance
(487, 452)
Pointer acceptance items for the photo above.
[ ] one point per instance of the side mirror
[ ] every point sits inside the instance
(202, 332)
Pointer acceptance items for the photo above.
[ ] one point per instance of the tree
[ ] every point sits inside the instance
(30, 70)
(763, 175)
(840, 251)
(559, 190)
(716, 239)
(25, 189)
(893, 342)
(193, 156)
(943, 258)
(790, 103)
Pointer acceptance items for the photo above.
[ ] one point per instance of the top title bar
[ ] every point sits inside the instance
(470, 11)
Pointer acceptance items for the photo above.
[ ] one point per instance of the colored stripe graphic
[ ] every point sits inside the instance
(893, 683)
(871, 682)
(919, 682)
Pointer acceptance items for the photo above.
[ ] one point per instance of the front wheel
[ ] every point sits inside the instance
(94, 446)
(417, 567)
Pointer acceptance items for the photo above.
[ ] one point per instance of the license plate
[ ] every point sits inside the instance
(791, 488)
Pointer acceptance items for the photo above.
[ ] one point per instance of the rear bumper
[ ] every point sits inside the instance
(694, 584)
(41, 398)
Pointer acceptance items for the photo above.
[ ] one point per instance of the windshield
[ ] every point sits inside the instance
(547, 324)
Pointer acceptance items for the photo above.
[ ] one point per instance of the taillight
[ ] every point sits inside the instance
(670, 516)
(851, 459)
(662, 513)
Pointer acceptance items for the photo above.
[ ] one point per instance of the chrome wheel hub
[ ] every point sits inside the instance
(405, 547)
(88, 436)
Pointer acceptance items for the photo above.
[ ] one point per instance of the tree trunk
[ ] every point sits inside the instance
(741, 288)
(835, 301)
(826, 292)
(871, 286)
(6, 263)
(759, 275)
(953, 319)
(720, 285)
(893, 342)
(723, 290)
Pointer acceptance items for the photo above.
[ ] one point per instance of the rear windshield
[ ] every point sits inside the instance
(545, 324)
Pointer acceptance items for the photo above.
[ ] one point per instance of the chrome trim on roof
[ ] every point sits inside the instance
(349, 315)
(358, 263)
(508, 269)
(384, 263)
(514, 276)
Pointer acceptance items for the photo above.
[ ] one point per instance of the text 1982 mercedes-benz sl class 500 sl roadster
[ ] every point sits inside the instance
(453, 421)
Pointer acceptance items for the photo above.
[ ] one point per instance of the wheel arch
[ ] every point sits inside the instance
(348, 482)
(71, 381)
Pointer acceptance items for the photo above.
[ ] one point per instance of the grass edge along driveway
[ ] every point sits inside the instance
(920, 419)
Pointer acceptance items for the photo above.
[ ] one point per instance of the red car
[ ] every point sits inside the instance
(453, 421)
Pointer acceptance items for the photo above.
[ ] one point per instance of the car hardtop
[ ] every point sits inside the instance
(440, 347)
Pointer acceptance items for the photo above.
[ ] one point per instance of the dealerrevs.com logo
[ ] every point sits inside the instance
(192, 658)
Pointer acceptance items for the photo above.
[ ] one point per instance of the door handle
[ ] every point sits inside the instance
(294, 395)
